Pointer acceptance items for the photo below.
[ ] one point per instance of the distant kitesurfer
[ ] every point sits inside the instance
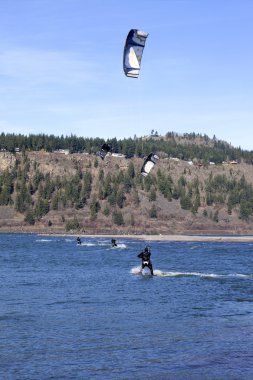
(78, 240)
(146, 262)
(114, 244)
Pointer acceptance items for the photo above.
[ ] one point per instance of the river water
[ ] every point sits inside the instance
(82, 312)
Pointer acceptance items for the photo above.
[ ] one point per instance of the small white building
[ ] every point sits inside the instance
(119, 155)
(62, 151)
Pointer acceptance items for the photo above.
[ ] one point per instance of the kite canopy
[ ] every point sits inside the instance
(133, 51)
(104, 150)
(148, 164)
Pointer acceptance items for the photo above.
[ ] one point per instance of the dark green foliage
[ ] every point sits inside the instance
(221, 189)
(152, 195)
(106, 211)
(148, 182)
(218, 152)
(128, 183)
(185, 202)
(23, 197)
(37, 179)
(165, 184)
(120, 198)
(72, 224)
(136, 199)
(117, 218)
(41, 208)
(30, 218)
(87, 182)
(94, 208)
(131, 170)
(153, 212)
(246, 209)
(112, 199)
(6, 187)
(196, 204)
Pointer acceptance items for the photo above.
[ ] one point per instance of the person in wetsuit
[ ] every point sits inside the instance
(146, 262)
(114, 244)
(78, 240)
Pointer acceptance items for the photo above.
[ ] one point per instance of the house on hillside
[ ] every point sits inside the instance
(119, 155)
(62, 151)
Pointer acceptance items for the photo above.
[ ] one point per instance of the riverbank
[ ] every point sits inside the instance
(160, 237)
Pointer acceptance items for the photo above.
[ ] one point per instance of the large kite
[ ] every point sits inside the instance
(106, 148)
(133, 51)
(148, 164)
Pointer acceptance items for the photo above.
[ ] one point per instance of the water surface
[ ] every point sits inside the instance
(80, 312)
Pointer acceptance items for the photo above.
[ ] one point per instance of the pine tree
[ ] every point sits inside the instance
(118, 218)
(29, 218)
(152, 195)
(153, 212)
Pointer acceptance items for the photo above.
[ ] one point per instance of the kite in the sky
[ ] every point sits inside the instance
(133, 51)
(104, 150)
(148, 164)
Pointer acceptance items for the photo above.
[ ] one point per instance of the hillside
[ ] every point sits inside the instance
(56, 193)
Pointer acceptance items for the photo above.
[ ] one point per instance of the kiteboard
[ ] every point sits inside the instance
(157, 273)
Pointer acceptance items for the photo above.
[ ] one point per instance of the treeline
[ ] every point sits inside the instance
(171, 145)
(106, 194)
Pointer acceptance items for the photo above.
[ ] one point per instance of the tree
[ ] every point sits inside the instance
(41, 208)
(245, 209)
(117, 218)
(152, 195)
(94, 208)
(153, 212)
(106, 211)
(185, 202)
(130, 170)
(112, 199)
(29, 218)
(72, 224)
(120, 198)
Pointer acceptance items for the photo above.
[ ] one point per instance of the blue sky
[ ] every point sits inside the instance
(61, 68)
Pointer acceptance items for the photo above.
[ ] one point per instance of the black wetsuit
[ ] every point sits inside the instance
(113, 241)
(78, 240)
(146, 262)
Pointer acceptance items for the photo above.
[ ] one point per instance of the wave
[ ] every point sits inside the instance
(87, 244)
(43, 240)
(120, 246)
(159, 273)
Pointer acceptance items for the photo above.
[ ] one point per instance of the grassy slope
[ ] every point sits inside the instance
(171, 218)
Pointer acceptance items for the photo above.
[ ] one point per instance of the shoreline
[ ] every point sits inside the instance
(176, 237)
(193, 238)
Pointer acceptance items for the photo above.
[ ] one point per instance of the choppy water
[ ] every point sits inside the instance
(80, 312)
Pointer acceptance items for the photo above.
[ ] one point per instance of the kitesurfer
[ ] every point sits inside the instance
(114, 244)
(78, 240)
(146, 262)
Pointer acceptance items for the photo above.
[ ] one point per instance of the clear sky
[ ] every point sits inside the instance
(61, 68)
